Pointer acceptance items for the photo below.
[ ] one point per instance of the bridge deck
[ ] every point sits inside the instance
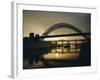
(64, 35)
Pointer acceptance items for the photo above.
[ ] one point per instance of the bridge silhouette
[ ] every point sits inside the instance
(34, 46)
(56, 46)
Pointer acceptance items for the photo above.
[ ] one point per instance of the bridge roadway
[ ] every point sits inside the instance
(66, 35)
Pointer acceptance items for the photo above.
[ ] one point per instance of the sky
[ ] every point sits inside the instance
(38, 21)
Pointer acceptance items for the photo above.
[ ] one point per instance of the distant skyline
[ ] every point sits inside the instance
(38, 21)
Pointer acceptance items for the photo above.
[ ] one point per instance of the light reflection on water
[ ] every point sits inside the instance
(64, 56)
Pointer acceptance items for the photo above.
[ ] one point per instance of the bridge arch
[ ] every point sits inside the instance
(62, 25)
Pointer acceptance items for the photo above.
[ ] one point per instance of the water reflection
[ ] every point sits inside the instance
(64, 56)
(57, 53)
(60, 56)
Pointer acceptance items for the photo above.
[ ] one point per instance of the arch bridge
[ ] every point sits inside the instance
(66, 26)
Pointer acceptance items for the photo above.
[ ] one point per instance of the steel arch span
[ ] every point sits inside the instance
(62, 25)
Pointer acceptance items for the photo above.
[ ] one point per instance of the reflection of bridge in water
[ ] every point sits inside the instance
(67, 46)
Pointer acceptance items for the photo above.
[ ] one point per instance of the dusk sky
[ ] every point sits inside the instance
(38, 21)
